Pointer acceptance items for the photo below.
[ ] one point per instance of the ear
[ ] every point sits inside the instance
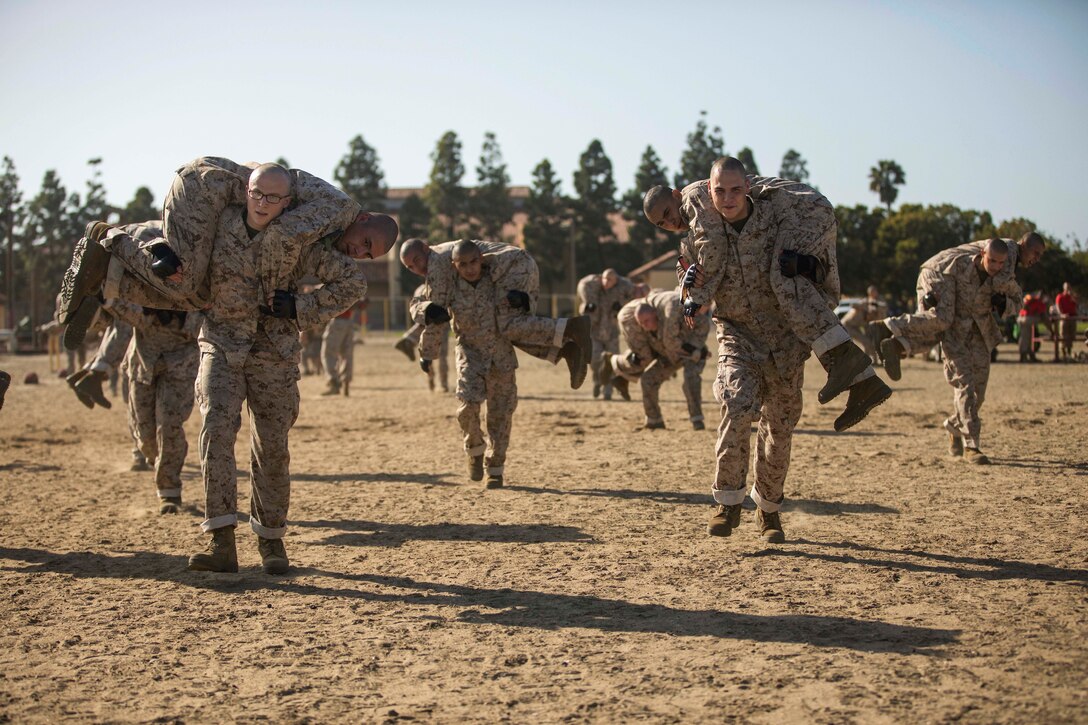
(364, 216)
(677, 195)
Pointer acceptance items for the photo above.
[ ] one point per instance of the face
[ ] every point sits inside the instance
(272, 190)
(666, 214)
(608, 280)
(469, 266)
(361, 241)
(993, 263)
(1030, 256)
(417, 263)
(729, 192)
(647, 321)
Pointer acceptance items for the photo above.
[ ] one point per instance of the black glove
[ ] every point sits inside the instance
(704, 354)
(998, 302)
(425, 365)
(283, 306)
(435, 314)
(518, 300)
(689, 277)
(616, 306)
(691, 308)
(688, 347)
(590, 306)
(633, 358)
(166, 262)
(792, 264)
(929, 301)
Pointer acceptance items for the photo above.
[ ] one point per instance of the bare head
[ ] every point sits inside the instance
(1032, 245)
(369, 236)
(994, 255)
(872, 292)
(267, 194)
(646, 316)
(1066, 288)
(729, 188)
(415, 254)
(661, 205)
(609, 278)
(468, 261)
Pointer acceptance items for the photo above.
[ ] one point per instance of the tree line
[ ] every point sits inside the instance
(570, 235)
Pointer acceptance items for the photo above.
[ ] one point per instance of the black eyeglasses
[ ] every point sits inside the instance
(257, 195)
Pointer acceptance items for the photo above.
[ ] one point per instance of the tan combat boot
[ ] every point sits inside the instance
(345, 387)
(169, 505)
(955, 446)
(221, 554)
(331, 389)
(770, 526)
(273, 555)
(405, 345)
(494, 480)
(576, 365)
(476, 468)
(864, 396)
(622, 386)
(974, 455)
(844, 363)
(724, 520)
(891, 351)
(578, 331)
(90, 385)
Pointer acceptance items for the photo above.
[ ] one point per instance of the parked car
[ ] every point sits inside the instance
(846, 303)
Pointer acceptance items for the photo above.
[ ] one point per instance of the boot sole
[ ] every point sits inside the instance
(276, 567)
(867, 407)
(719, 530)
(85, 275)
(774, 536)
(891, 360)
(76, 331)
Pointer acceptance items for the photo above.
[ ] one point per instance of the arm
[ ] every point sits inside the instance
(343, 280)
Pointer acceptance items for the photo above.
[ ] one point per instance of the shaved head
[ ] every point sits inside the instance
(468, 261)
(415, 254)
(646, 316)
(994, 256)
(269, 170)
(370, 236)
(1032, 245)
(725, 164)
(661, 205)
(609, 278)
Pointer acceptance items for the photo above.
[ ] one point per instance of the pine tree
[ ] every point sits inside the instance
(650, 240)
(444, 195)
(704, 148)
(414, 219)
(359, 174)
(546, 238)
(46, 247)
(746, 157)
(794, 167)
(141, 209)
(11, 219)
(595, 200)
(490, 203)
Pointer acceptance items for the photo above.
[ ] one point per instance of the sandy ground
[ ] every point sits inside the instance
(912, 588)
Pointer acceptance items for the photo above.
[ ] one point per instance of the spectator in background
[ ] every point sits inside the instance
(1033, 312)
(1066, 302)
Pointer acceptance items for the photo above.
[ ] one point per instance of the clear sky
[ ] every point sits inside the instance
(984, 104)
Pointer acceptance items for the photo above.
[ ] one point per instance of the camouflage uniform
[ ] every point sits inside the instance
(963, 322)
(760, 357)
(653, 357)
(200, 192)
(442, 331)
(338, 346)
(162, 362)
(793, 217)
(247, 356)
(486, 369)
(510, 268)
(605, 331)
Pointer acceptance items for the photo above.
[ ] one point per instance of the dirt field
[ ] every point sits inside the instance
(913, 588)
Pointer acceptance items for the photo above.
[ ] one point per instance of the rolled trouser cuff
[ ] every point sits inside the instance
(834, 337)
(897, 332)
(476, 450)
(495, 470)
(266, 532)
(863, 375)
(560, 331)
(765, 505)
(219, 522)
(697, 419)
(654, 421)
(170, 493)
(99, 365)
(728, 496)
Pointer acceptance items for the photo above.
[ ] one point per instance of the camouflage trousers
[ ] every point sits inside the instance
(158, 409)
(338, 350)
(268, 385)
(112, 348)
(967, 370)
(600, 347)
(1027, 334)
(749, 390)
(443, 333)
(918, 331)
(190, 218)
(499, 389)
(657, 373)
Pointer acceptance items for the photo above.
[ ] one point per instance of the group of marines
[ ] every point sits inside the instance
(214, 294)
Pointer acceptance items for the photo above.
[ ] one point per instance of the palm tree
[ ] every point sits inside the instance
(884, 177)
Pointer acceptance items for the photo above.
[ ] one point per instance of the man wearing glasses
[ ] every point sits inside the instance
(250, 353)
(172, 273)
